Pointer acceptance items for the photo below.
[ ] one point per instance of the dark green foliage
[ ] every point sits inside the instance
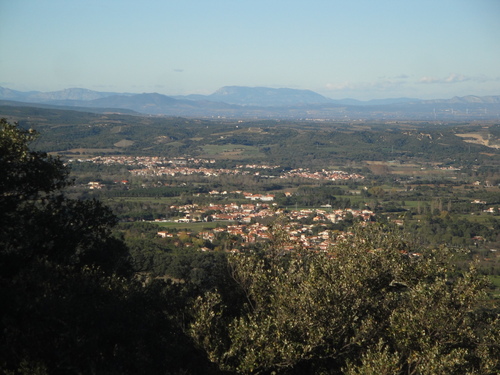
(369, 306)
(70, 304)
(38, 223)
(452, 230)
(166, 191)
(315, 196)
(87, 322)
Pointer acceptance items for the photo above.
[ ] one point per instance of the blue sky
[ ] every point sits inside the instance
(362, 49)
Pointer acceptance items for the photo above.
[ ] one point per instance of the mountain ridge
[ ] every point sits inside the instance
(263, 102)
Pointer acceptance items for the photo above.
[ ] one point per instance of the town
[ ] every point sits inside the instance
(247, 222)
(161, 166)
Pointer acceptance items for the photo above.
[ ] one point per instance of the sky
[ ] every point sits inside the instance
(361, 49)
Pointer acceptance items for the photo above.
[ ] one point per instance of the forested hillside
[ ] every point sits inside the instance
(289, 144)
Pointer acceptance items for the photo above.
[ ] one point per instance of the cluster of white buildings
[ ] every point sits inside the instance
(322, 175)
(161, 166)
(247, 222)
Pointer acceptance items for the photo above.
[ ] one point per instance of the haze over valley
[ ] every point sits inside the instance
(262, 102)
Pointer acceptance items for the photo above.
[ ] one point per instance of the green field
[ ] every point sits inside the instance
(495, 280)
(162, 200)
(194, 227)
(231, 151)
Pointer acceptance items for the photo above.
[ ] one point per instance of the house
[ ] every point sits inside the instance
(164, 234)
(94, 185)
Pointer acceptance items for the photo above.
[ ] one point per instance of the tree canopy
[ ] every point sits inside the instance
(371, 305)
(70, 303)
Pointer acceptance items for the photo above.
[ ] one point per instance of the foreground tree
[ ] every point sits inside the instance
(371, 305)
(69, 302)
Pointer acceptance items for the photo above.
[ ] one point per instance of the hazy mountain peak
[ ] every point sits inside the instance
(73, 94)
(266, 96)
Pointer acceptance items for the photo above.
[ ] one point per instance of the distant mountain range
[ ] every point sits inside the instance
(261, 102)
(268, 97)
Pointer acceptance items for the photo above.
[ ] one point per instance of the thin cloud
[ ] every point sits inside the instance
(452, 78)
(379, 85)
(178, 70)
(427, 79)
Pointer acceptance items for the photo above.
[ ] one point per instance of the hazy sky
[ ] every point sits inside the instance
(363, 49)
